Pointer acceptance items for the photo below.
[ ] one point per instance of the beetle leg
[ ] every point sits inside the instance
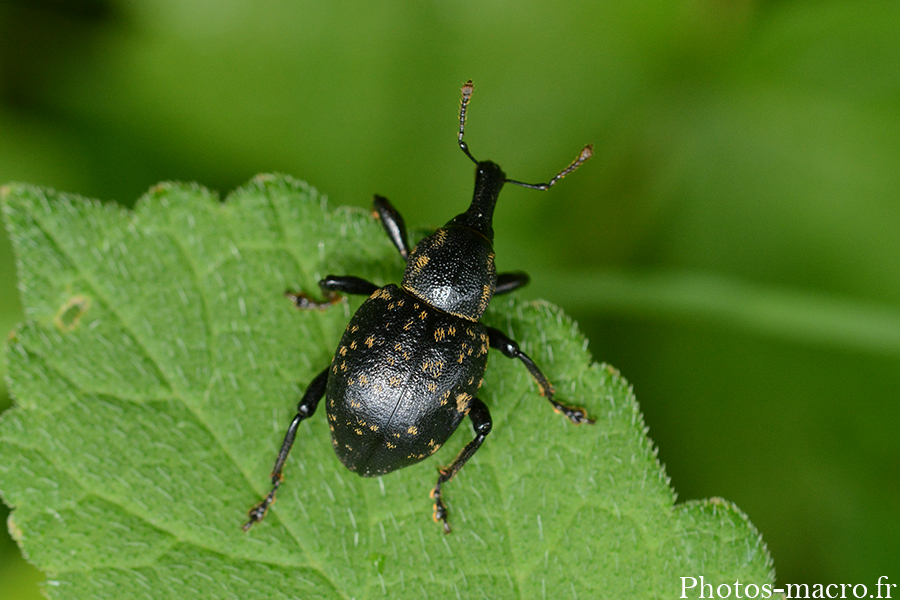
(393, 224)
(330, 286)
(507, 282)
(481, 423)
(305, 409)
(511, 349)
(347, 284)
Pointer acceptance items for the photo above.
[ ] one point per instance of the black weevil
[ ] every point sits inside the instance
(412, 358)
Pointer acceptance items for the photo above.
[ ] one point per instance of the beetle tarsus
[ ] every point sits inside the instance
(304, 301)
(258, 512)
(574, 413)
(440, 510)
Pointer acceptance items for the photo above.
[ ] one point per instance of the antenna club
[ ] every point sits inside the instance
(587, 152)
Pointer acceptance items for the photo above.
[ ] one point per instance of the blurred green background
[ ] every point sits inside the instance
(732, 248)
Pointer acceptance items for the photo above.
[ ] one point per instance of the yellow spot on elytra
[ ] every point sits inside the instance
(370, 341)
(353, 345)
(423, 315)
(462, 402)
(343, 351)
(461, 358)
(412, 431)
(432, 387)
(451, 330)
(373, 427)
(363, 380)
(394, 381)
(408, 325)
(390, 445)
(354, 328)
(439, 334)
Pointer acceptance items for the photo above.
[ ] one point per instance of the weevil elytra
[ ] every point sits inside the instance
(411, 361)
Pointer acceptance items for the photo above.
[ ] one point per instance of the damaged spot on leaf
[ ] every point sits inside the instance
(70, 313)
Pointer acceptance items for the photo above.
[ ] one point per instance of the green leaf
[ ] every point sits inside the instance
(160, 365)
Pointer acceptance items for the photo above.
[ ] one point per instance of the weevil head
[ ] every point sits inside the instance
(453, 269)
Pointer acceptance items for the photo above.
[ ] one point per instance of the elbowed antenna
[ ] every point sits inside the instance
(468, 89)
(586, 153)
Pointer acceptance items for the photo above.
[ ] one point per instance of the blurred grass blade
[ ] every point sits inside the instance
(790, 314)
